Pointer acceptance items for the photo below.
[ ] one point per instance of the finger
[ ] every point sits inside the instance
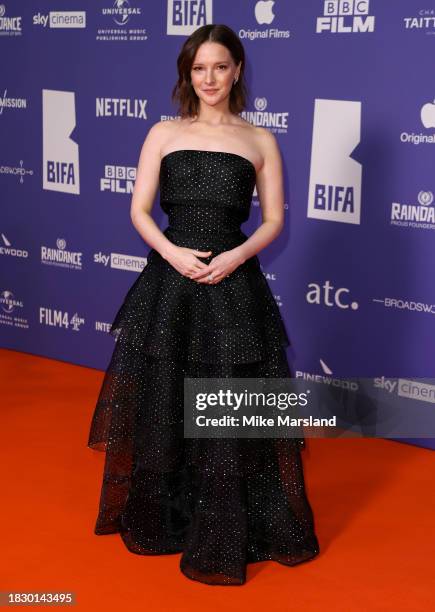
(204, 274)
(203, 253)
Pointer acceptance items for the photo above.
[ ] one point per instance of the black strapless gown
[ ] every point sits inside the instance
(222, 503)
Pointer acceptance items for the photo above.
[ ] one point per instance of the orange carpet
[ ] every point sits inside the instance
(373, 501)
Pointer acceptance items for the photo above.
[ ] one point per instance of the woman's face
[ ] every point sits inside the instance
(213, 72)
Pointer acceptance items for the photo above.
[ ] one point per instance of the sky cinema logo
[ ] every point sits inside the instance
(345, 16)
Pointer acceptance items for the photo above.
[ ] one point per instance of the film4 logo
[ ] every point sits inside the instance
(328, 295)
(60, 318)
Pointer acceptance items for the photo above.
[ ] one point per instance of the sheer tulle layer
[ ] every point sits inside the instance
(221, 502)
(170, 316)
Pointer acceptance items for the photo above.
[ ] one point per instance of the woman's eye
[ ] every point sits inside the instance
(200, 67)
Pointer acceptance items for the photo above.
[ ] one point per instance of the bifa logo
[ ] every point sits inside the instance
(60, 153)
(334, 192)
(345, 16)
(185, 16)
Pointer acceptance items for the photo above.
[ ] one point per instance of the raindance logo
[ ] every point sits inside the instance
(344, 17)
(60, 256)
(410, 215)
(9, 26)
(275, 122)
(11, 102)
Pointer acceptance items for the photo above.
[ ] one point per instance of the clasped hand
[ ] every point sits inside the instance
(185, 260)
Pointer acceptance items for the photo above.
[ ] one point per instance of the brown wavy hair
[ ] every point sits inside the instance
(184, 93)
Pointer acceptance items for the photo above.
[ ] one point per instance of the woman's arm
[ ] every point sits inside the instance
(271, 195)
(145, 189)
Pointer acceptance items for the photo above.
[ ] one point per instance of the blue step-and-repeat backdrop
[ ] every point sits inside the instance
(347, 87)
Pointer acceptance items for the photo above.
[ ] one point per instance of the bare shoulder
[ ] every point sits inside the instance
(158, 135)
(160, 130)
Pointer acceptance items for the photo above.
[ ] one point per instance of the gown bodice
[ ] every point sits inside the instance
(206, 192)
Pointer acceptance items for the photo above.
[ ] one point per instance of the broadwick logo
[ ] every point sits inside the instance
(344, 17)
(411, 215)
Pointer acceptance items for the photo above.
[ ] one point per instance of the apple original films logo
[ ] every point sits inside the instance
(264, 16)
(427, 117)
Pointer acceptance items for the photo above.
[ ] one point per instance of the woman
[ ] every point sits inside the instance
(201, 308)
